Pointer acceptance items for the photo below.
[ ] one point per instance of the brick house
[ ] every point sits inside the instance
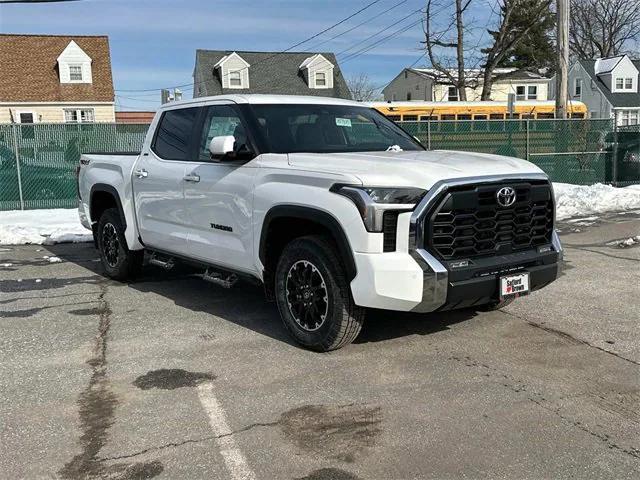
(55, 79)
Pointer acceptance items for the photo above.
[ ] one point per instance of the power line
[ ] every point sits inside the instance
(275, 54)
(314, 47)
(378, 32)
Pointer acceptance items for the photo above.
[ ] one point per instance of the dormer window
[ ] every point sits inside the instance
(235, 79)
(233, 71)
(74, 65)
(619, 83)
(75, 73)
(317, 71)
(628, 83)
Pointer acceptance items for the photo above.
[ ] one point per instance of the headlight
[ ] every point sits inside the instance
(372, 202)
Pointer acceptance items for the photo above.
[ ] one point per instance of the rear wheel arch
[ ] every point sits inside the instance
(284, 223)
(103, 197)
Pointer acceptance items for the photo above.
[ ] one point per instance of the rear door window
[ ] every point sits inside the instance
(174, 133)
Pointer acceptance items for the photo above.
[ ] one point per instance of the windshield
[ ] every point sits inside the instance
(329, 129)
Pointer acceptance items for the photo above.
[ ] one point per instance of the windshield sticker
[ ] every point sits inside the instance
(343, 122)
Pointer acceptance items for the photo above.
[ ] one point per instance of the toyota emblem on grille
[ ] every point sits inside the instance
(506, 196)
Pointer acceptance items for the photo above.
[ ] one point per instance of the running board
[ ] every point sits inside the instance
(167, 264)
(217, 279)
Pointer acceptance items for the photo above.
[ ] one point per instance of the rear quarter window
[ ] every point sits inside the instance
(174, 133)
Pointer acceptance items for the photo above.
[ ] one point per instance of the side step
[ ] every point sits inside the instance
(217, 278)
(166, 263)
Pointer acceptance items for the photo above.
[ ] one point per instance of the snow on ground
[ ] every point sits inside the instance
(626, 243)
(42, 227)
(579, 200)
(63, 225)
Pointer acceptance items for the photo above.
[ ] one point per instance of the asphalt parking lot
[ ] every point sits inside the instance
(172, 377)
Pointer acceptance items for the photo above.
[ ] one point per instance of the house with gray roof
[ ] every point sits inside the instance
(430, 85)
(609, 87)
(219, 72)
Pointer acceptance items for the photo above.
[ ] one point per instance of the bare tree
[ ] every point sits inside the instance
(439, 41)
(362, 88)
(603, 28)
(516, 19)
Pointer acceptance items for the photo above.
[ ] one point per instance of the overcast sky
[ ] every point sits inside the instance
(153, 42)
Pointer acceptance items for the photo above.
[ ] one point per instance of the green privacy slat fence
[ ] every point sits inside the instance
(38, 162)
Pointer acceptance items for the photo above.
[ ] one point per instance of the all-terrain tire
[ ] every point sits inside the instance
(326, 282)
(118, 261)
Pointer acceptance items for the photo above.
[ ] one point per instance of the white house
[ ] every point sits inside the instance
(609, 87)
(55, 78)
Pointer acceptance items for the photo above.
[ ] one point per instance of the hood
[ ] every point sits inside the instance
(411, 169)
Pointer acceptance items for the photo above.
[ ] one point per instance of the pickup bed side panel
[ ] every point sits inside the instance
(114, 171)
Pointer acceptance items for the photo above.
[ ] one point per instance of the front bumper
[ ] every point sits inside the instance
(412, 279)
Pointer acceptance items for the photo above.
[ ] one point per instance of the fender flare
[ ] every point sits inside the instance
(110, 189)
(315, 215)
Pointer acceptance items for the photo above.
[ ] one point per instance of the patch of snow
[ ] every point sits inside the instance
(38, 280)
(5, 265)
(54, 259)
(43, 227)
(628, 242)
(579, 200)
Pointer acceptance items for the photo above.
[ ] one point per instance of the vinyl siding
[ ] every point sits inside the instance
(54, 113)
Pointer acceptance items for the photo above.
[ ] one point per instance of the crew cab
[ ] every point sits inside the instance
(331, 206)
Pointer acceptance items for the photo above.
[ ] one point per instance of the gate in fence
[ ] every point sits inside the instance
(38, 161)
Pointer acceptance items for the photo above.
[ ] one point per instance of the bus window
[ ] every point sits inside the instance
(496, 116)
(425, 118)
(528, 116)
(542, 115)
(464, 116)
(409, 118)
(394, 118)
(481, 124)
(447, 116)
(577, 115)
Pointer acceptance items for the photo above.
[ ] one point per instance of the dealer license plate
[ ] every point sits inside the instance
(514, 285)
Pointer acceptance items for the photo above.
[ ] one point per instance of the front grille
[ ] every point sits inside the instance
(468, 222)
(389, 230)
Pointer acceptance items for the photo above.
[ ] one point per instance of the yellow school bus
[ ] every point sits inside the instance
(422, 111)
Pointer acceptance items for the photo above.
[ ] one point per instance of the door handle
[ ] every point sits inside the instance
(141, 173)
(191, 178)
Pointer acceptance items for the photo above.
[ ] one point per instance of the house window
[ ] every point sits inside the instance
(532, 92)
(408, 96)
(235, 79)
(628, 83)
(26, 117)
(79, 115)
(393, 97)
(629, 117)
(577, 88)
(452, 94)
(75, 73)
(321, 79)
(520, 92)
(619, 83)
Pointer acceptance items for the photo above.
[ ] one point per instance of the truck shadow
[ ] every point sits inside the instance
(245, 304)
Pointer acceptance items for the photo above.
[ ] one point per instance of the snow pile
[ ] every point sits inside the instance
(42, 227)
(578, 200)
(52, 259)
(629, 242)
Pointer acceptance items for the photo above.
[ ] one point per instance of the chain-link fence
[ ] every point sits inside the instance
(38, 161)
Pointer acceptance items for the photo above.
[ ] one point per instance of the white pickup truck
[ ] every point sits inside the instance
(327, 203)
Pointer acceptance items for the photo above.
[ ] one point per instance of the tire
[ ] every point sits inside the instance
(118, 261)
(313, 295)
(490, 307)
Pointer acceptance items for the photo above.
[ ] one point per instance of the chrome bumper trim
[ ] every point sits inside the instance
(435, 276)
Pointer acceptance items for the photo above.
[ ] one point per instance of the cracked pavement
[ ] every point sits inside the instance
(100, 379)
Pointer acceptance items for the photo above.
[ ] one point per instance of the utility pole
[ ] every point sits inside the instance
(562, 87)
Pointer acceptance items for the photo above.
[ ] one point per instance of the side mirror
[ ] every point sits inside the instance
(222, 146)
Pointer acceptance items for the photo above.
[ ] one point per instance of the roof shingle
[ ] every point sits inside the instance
(29, 69)
(270, 73)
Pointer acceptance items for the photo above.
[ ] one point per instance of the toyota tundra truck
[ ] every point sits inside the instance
(331, 206)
